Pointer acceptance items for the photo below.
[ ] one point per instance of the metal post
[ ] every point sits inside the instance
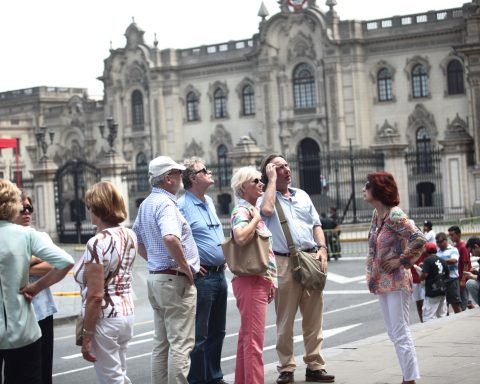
(78, 218)
(352, 173)
(337, 186)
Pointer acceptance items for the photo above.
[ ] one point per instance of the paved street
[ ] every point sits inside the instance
(350, 314)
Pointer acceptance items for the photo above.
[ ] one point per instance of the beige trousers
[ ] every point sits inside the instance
(291, 296)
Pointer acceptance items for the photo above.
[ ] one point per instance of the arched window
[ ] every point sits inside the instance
(419, 81)
(455, 78)
(309, 166)
(384, 84)
(424, 151)
(224, 171)
(141, 165)
(304, 87)
(137, 111)
(220, 103)
(192, 107)
(248, 100)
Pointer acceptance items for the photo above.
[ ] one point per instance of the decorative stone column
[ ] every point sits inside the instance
(112, 166)
(457, 145)
(44, 195)
(387, 141)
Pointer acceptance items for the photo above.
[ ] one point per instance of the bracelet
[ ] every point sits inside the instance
(88, 333)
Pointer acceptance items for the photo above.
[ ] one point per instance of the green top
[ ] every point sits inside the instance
(18, 324)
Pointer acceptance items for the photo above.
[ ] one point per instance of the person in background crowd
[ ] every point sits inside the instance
(43, 303)
(464, 264)
(450, 254)
(104, 274)
(394, 244)
(166, 242)
(307, 234)
(329, 226)
(212, 291)
(253, 293)
(473, 276)
(428, 231)
(20, 344)
(418, 290)
(434, 272)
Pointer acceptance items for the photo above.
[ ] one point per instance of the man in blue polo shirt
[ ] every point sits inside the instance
(199, 211)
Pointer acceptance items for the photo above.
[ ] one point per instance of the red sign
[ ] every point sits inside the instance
(12, 143)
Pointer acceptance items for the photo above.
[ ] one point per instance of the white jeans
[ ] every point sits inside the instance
(395, 310)
(434, 307)
(110, 347)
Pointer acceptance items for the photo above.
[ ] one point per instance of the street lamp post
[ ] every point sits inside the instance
(112, 132)
(40, 135)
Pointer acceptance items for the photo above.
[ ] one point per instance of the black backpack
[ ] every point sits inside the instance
(439, 284)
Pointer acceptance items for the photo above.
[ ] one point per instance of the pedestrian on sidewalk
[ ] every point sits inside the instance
(20, 334)
(306, 231)
(464, 264)
(166, 242)
(253, 292)
(43, 303)
(434, 272)
(473, 276)
(451, 256)
(104, 274)
(394, 243)
(212, 291)
(428, 231)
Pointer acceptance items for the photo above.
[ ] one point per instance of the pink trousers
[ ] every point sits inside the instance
(251, 293)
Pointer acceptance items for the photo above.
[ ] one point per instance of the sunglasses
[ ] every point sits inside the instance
(256, 180)
(203, 170)
(367, 185)
(26, 209)
(174, 172)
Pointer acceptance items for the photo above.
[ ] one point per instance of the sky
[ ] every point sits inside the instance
(63, 43)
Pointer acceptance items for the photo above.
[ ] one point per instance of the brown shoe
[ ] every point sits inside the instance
(285, 378)
(319, 376)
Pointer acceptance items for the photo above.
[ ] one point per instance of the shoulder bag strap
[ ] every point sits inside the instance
(286, 230)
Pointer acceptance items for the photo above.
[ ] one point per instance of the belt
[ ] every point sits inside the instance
(288, 254)
(213, 268)
(167, 272)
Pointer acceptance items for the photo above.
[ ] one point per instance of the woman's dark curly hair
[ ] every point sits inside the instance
(383, 188)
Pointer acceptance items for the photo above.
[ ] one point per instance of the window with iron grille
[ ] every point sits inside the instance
(424, 151)
(192, 107)
(419, 81)
(142, 173)
(304, 87)
(384, 84)
(220, 103)
(455, 78)
(137, 111)
(248, 100)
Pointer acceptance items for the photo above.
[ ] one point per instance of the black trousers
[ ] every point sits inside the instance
(22, 365)
(46, 325)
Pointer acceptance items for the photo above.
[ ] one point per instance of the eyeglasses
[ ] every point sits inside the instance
(26, 209)
(203, 170)
(256, 181)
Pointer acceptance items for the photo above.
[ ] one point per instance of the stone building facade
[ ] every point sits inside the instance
(308, 85)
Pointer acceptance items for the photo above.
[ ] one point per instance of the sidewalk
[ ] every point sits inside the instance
(448, 352)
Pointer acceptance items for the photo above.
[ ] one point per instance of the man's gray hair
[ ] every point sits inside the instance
(190, 170)
(157, 181)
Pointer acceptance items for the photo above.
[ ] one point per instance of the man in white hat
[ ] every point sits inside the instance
(165, 240)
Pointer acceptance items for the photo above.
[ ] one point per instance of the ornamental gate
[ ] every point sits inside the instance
(72, 181)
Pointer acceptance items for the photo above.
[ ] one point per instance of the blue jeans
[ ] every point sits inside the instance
(210, 322)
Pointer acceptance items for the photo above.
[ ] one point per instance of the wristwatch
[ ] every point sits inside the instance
(322, 246)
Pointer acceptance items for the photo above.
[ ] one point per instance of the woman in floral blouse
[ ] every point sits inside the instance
(253, 293)
(394, 243)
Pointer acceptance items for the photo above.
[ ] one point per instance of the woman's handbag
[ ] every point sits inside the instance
(249, 259)
(305, 268)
